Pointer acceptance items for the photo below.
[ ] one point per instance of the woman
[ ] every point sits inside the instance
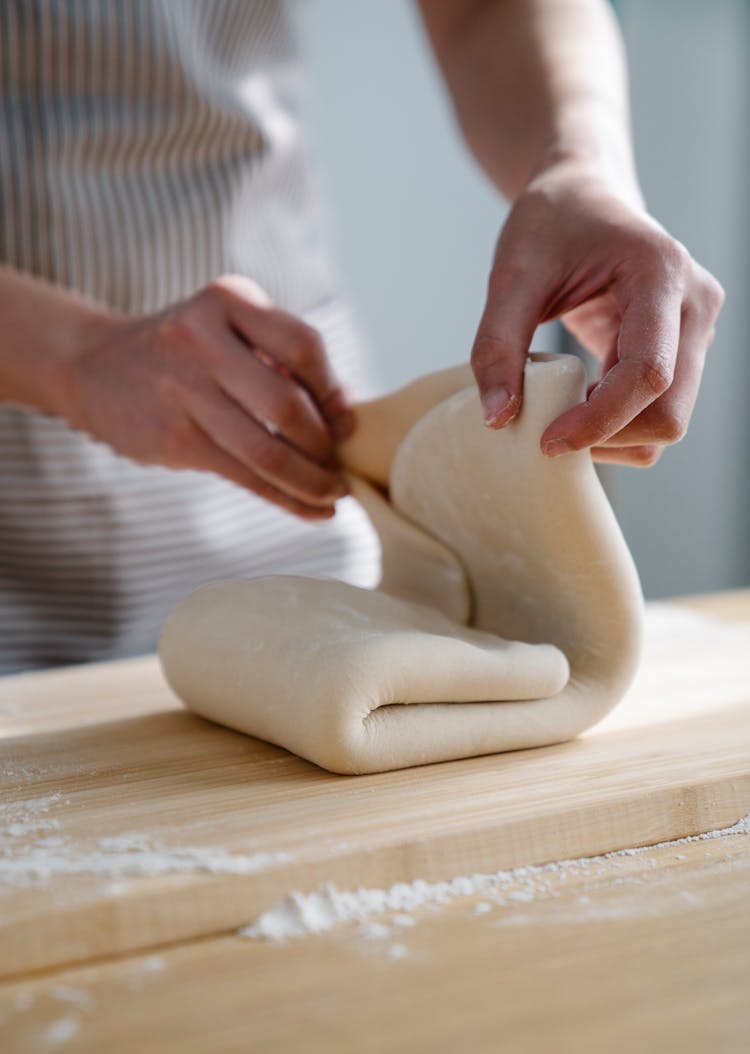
(149, 148)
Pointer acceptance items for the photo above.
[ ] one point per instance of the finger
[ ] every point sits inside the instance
(635, 456)
(278, 402)
(515, 304)
(208, 457)
(647, 353)
(666, 419)
(267, 456)
(298, 348)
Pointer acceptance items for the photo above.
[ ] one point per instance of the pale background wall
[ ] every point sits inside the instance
(416, 224)
(688, 519)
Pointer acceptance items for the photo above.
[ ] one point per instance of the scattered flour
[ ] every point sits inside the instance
(61, 1031)
(18, 819)
(18, 830)
(398, 951)
(379, 930)
(142, 971)
(302, 914)
(77, 996)
(123, 856)
(38, 864)
(340, 847)
(481, 908)
(29, 807)
(522, 896)
(47, 855)
(116, 889)
(374, 930)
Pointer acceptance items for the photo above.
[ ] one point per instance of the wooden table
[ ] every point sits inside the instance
(102, 770)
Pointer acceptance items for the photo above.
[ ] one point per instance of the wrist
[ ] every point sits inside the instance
(89, 329)
(610, 171)
(45, 331)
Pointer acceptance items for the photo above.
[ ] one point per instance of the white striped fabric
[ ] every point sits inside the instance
(147, 146)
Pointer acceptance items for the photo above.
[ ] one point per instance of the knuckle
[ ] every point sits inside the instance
(655, 374)
(714, 295)
(670, 427)
(177, 330)
(211, 296)
(285, 415)
(673, 261)
(597, 433)
(489, 350)
(301, 355)
(332, 404)
(238, 289)
(706, 301)
(307, 347)
(647, 455)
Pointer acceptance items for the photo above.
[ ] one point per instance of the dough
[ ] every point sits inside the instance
(479, 528)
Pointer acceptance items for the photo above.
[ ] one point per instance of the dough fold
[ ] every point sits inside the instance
(479, 527)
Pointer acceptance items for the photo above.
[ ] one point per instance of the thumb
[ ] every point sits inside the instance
(514, 308)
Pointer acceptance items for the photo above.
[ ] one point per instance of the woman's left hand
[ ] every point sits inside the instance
(574, 249)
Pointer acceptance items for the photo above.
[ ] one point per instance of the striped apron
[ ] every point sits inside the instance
(146, 147)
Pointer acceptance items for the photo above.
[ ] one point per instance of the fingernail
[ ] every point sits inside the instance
(555, 447)
(342, 426)
(496, 404)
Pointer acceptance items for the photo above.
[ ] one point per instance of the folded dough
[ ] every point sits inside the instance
(481, 528)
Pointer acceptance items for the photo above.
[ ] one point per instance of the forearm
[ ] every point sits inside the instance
(536, 82)
(42, 327)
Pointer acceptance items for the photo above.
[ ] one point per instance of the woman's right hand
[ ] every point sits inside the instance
(224, 382)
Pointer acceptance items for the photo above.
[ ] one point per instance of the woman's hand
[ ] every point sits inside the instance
(225, 382)
(574, 249)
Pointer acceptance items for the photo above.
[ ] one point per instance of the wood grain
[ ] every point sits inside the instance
(644, 953)
(167, 776)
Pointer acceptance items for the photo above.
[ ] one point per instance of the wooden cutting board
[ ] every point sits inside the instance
(103, 771)
(649, 952)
